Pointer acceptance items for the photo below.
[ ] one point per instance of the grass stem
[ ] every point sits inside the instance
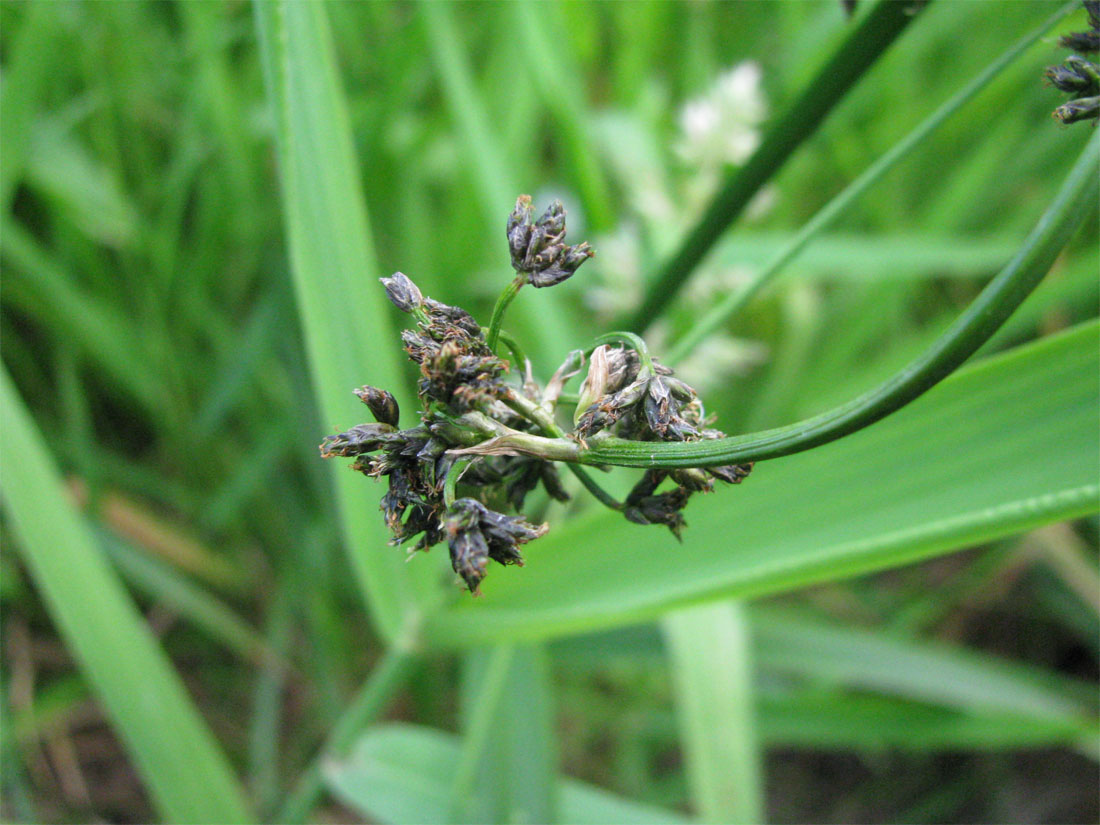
(1074, 201)
(859, 51)
(721, 314)
(499, 308)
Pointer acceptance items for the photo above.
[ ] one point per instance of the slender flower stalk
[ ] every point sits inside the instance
(985, 315)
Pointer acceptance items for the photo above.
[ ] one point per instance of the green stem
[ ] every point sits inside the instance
(859, 51)
(388, 675)
(545, 421)
(453, 475)
(720, 314)
(498, 311)
(974, 327)
(633, 341)
(518, 355)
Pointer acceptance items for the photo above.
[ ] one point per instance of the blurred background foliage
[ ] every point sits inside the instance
(153, 328)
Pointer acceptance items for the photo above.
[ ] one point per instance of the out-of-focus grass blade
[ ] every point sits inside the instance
(36, 284)
(529, 747)
(402, 773)
(846, 721)
(345, 317)
(873, 258)
(26, 74)
(999, 448)
(168, 585)
(542, 323)
(60, 168)
(924, 671)
(186, 773)
(554, 76)
(514, 779)
(793, 648)
(712, 675)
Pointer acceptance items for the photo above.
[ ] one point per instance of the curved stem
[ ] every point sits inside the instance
(861, 48)
(720, 314)
(454, 473)
(981, 319)
(517, 352)
(633, 341)
(498, 311)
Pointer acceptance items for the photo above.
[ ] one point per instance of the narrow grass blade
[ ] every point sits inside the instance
(864, 44)
(345, 318)
(194, 604)
(833, 721)
(721, 313)
(560, 90)
(38, 285)
(528, 742)
(403, 773)
(544, 324)
(1001, 447)
(515, 776)
(478, 735)
(927, 672)
(187, 775)
(26, 76)
(266, 731)
(712, 674)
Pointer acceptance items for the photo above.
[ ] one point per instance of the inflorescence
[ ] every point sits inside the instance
(471, 400)
(1078, 75)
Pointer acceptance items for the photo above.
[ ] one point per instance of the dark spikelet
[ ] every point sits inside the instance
(538, 250)
(731, 473)
(402, 292)
(383, 405)
(465, 400)
(1085, 108)
(475, 534)
(364, 438)
(1079, 76)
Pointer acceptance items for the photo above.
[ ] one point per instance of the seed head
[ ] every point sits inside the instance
(538, 250)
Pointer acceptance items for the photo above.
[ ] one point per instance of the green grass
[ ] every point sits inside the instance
(198, 202)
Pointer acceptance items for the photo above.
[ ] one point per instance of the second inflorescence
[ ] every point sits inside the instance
(471, 397)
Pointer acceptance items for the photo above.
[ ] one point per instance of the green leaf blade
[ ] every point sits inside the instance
(186, 773)
(402, 773)
(999, 448)
(347, 322)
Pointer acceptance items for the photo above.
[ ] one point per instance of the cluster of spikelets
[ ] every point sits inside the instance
(467, 399)
(1078, 75)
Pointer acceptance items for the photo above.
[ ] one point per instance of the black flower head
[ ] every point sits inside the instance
(645, 506)
(538, 250)
(1089, 41)
(364, 438)
(1079, 76)
(476, 534)
(649, 408)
